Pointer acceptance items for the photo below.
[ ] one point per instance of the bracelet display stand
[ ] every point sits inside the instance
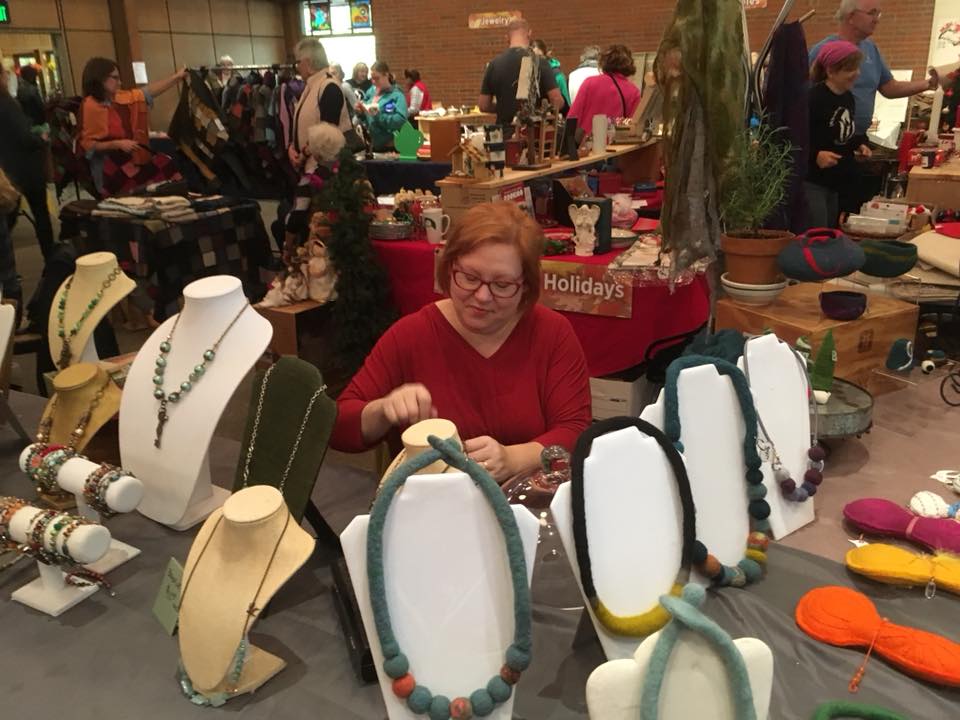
(122, 496)
(447, 583)
(779, 389)
(176, 476)
(50, 593)
(240, 558)
(696, 684)
(712, 437)
(87, 282)
(635, 526)
(75, 391)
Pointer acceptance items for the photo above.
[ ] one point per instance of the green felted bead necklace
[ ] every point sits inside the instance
(835, 709)
(66, 353)
(186, 386)
(395, 664)
(752, 566)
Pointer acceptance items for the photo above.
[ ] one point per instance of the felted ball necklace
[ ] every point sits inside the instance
(419, 698)
(816, 455)
(751, 567)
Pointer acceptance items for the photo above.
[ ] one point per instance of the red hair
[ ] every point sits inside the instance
(496, 223)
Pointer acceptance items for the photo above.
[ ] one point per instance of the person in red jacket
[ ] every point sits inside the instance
(418, 97)
(508, 372)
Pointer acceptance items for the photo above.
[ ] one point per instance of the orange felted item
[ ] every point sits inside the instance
(896, 566)
(845, 617)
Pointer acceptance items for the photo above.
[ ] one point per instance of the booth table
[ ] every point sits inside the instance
(611, 344)
(388, 176)
(939, 187)
(109, 658)
(169, 256)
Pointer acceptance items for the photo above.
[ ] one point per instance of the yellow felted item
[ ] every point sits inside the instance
(640, 625)
(896, 566)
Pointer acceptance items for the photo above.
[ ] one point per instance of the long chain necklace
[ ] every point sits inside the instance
(815, 455)
(253, 610)
(66, 353)
(256, 430)
(198, 371)
(76, 435)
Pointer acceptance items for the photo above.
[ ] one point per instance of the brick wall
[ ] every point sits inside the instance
(433, 37)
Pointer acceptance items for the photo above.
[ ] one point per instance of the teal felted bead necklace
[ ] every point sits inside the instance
(174, 396)
(66, 352)
(751, 567)
(395, 664)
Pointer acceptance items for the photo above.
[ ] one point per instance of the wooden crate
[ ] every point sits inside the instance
(289, 323)
(862, 344)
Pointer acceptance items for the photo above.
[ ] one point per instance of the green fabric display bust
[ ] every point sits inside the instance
(288, 428)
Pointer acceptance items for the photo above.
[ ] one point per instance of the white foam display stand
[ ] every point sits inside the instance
(176, 476)
(696, 683)
(634, 528)
(448, 586)
(7, 319)
(712, 434)
(50, 592)
(779, 390)
(123, 496)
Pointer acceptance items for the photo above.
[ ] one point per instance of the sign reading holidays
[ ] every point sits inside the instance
(754, 4)
(583, 288)
(4, 12)
(487, 20)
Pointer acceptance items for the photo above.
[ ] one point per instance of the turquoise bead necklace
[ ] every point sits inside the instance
(186, 386)
(66, 353)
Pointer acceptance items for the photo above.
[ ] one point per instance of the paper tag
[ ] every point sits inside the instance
(140, 73)
(166, 607)
(859, 542)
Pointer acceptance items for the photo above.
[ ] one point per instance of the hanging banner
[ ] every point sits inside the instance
(320, 17)
(583, 288)
(945, 34)
(488, 20)
(754, 4)
(360, 15)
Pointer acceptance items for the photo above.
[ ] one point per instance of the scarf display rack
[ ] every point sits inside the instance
(232, 124)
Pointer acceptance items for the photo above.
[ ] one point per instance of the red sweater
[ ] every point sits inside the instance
(534, 388)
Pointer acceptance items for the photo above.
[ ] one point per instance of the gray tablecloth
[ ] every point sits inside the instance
(109, 658)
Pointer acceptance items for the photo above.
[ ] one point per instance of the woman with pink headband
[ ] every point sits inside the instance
(834, 143)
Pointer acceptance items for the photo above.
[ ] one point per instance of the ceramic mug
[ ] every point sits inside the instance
(436, 224)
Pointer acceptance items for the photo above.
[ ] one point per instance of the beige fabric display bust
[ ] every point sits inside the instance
(76, 390)
(414, 440)
(91, 276)
(242, 555)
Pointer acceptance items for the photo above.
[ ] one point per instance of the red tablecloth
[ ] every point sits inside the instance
(611, 344)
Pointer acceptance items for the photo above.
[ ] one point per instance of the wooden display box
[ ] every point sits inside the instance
(613, 397)
(290, 323)
(862, 344)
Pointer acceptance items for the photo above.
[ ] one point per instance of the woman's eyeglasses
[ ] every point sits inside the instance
(503, 289)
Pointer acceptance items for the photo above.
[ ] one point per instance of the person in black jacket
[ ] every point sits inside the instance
(28, 95)
(834, 142)
(22, 158)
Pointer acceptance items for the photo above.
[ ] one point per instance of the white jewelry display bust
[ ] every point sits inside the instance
(634, 529)
(88, 278)
(447, 584)
(122, 496)
(696, 684)
(230, 558)
(176, 476)
(50, 592)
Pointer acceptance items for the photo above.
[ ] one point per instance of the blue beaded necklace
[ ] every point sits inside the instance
(187, 385)
(395, 664)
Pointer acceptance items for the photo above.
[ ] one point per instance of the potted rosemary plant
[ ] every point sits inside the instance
(753, 187)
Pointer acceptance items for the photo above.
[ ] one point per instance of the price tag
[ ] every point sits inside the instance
(166, 607)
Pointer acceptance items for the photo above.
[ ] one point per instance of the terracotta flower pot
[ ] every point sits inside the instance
(753, 260)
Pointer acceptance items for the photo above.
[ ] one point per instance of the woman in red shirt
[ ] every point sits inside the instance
(418, 97)
(508, 372)
(610, 93)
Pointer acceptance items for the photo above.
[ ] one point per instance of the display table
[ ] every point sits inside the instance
(862, 344)
(939, 187)
(109, 657)
(611, 344)
(389, 176)
(444, 132)
(168, 256)
(638, 163)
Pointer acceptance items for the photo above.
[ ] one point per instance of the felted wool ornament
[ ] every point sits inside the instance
(877, 516)
(836, 709)
(325, 141)
(900, 357)
(820, 254)
(843, 304)
(888, 258)
(846, 618)
(896, 566)
(821, 373)
(929, 504)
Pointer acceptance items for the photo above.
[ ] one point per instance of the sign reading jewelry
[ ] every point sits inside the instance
(487, 20)
(584, 288)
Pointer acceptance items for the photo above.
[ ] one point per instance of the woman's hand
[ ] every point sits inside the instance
(864, 152)
(360, 108)
(827, 159)
(491, 456)
(408, 404)
(296, 158)
(127, 146)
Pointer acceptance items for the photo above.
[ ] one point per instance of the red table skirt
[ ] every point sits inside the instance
(610, 344)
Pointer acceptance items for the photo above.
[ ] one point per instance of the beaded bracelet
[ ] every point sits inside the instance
(8, 509)
(70, 529)
(35, 468)
(36, 530)
(52, 462)
(95, 489)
